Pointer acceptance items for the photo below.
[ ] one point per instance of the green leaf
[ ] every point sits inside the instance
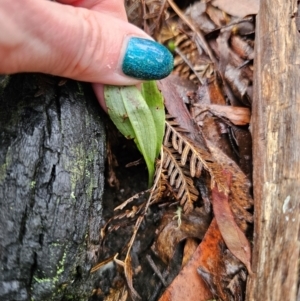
(155, 102)
(130, 113)
(117, 111)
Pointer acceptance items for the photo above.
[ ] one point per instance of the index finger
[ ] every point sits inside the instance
(114, 8)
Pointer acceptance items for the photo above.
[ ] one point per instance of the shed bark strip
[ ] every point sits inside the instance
(276, 153)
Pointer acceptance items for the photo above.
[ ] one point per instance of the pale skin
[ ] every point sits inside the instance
(83, 40)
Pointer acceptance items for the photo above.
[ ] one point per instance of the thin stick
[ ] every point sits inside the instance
(199, 34)
(189, 64)
(156, 270)
(140, 219)
(201, 40)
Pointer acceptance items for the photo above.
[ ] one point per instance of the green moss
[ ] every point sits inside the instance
(77, 167)
(55, 244)
(4, 81)
(60, 266)
(80, 89)
(32, 184)
(43, 280)
(55, 279)
(7, 163)
(81, 168)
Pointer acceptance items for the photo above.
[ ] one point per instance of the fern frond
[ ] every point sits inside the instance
(179, 178)
(161, 190)
(196, 157)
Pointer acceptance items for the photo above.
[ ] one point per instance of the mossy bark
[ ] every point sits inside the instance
(52, 153)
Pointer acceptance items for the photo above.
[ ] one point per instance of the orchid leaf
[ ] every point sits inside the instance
(155, 103)
(132, 116)
(117, 111)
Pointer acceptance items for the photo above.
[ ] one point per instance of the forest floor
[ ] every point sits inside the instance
(190, 236)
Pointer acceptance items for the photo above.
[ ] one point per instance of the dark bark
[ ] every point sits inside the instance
(52, 149)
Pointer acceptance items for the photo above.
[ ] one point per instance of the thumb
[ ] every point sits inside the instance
(78, 43)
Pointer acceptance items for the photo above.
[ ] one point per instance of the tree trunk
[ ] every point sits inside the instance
(52, 149)
(276, 138)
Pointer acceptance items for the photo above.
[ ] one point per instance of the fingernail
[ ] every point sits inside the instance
(146, 59)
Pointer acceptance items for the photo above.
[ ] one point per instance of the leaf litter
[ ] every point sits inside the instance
(201, 201)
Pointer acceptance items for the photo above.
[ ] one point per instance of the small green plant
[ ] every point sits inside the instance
(139, 115)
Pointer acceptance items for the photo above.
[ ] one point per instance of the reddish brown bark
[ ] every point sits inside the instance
(276, 139)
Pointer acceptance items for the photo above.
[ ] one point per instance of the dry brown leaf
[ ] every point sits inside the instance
(237, 115)
(119, 294)
(218, 132)
(223, 49)
(216, 15)
(177, 226)
(188, 285)
(239, 192)
(244, 28)
(210, 93)
(178, 109)
(243, 140)
(197, 13)
(237, 81)
(235, 288)
(217, 265)
(238, 8)
(234, 238)
(241, 47)
(237, 76)
(190, 247)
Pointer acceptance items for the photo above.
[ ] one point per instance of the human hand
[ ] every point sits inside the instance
(86, 40)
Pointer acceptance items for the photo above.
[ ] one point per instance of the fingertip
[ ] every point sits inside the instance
(99, 92)
(145, 59)
(126, 55)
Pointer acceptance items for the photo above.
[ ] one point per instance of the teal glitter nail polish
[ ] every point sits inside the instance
(147, 60)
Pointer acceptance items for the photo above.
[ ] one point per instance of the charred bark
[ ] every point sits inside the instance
(52, 149)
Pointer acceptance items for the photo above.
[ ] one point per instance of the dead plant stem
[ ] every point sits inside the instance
(199, 34)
